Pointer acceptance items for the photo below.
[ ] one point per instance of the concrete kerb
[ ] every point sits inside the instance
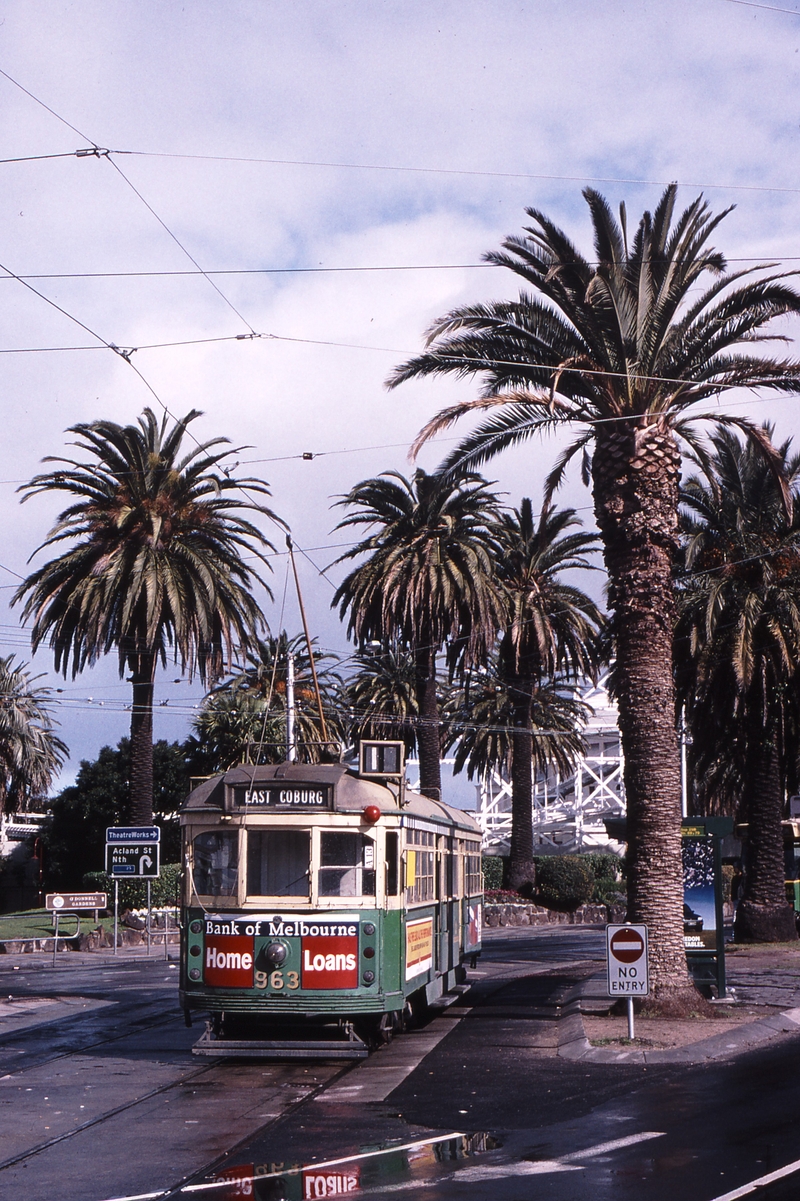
(574, 1045)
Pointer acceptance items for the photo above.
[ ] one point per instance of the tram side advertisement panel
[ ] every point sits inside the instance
(419, 946)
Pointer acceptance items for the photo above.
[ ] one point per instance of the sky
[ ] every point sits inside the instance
(343, 167)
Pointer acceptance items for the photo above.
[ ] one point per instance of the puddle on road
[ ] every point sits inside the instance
(367, 1172)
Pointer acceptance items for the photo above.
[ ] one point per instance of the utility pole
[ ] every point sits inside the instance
(291, 747)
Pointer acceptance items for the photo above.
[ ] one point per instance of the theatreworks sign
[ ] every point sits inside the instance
(281, 796)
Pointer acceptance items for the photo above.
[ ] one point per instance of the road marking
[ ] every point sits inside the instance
(770, 1178)
(616, 1144)
(563, 1164)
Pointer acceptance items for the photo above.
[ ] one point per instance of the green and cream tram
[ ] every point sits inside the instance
(319, 905)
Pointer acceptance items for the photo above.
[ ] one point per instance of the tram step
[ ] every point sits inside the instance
(252, 1048)
(450, 998)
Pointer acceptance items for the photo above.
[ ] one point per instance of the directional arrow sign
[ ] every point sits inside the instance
(626, 957)
(132, 859)
(128, 834)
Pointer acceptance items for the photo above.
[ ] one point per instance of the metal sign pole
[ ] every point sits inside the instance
(630, 1018)
(116, 913)
(166, 935)
(148, 916)
(55, 941)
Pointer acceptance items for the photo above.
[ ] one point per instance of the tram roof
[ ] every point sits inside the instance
(351, 792)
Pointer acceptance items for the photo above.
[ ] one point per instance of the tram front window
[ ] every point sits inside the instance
(347, 865)
(278, 863)
(216, 863)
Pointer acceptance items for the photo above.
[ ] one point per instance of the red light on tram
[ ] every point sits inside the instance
(371, 813)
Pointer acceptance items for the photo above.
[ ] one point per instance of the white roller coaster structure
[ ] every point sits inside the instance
(568, 812)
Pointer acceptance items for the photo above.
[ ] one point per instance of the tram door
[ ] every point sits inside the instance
(448, 904)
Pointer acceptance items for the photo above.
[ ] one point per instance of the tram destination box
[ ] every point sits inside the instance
(282, 796)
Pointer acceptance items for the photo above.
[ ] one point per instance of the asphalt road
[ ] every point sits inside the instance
(103, 1100)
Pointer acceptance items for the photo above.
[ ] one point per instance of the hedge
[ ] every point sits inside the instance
(563, 882)
(164, 889)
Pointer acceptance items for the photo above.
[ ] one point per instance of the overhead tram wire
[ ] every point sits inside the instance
(401, 168)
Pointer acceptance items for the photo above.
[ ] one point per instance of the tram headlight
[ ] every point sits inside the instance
(276, 953)
(196, 927)
(195, 950)
(194, 974)
(369, 928)
(368, 977)
(368, 952)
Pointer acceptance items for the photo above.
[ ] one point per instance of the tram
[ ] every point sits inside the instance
(321, 904)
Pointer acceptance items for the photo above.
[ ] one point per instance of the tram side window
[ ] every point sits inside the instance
(474, 874)
(216, 863)
(419, 866)
(278, 863)
(347, 864)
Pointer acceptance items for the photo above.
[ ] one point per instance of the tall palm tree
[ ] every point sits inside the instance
(30, 751)
(482, 722)
(427, 580)
(155, 564)
(623, 348)
(550, 630)
(737, 653)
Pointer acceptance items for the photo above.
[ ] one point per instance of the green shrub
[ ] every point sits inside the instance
(164, 889)
(563, 882)
(605, 865)
(609, 892)
(492, 871)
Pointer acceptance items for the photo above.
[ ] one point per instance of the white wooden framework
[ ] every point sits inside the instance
(568, 812)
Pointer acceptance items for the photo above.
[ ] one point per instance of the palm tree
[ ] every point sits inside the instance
(155, 565)
(30, 751)
(427, 580)
(550, 630)
(482, 720)
(737, 651)
(624, 349)
(245, 718)
(381, 696)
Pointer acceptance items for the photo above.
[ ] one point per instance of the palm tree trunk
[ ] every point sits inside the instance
(430, 777)
(143, 676)
(521, 871)
(763, 914)
(635, 492)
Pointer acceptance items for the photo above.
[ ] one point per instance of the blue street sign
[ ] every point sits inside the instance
(123, 834)
(123, 869)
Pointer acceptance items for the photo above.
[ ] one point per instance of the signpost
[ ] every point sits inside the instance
(132, 852)
(626, 964)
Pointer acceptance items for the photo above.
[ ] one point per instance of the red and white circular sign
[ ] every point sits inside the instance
(626, 946)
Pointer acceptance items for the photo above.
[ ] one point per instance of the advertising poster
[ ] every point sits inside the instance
(699, 907)
(419, 946)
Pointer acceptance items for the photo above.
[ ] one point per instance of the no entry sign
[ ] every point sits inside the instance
(626, 959)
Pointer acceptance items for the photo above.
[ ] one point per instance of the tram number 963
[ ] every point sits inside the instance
(277, 981)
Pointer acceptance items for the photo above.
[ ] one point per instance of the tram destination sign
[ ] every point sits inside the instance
(282, 796)
(626, 960)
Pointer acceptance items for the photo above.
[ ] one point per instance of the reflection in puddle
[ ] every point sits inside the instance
(365, 1172)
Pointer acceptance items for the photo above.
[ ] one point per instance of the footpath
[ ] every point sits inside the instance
(763, 1003)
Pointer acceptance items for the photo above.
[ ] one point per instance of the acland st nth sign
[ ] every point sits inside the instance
(626, 960)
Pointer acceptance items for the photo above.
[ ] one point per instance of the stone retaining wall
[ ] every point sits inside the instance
(507, 914)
